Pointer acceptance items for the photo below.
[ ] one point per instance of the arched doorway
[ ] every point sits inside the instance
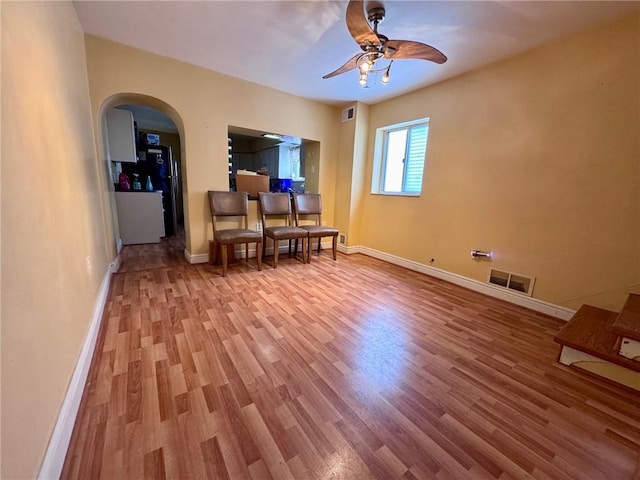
(159, 164)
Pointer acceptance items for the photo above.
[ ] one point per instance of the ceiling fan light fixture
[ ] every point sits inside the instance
(367, 61)
(385, 77)
(363, 79)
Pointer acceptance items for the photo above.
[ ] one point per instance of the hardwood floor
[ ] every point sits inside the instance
(352, 369)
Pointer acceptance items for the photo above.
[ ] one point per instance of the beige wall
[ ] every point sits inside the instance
(52, 220)
(360, 180)
(536, 159)
(344, 175)
(207, 103)
(350, 173)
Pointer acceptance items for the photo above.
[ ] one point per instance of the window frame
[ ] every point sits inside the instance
(380, 157)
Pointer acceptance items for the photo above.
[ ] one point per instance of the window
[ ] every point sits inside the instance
(399, 158)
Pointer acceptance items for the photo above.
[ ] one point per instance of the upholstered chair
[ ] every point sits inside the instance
(309, 206)
(228, 205)
(275, 210)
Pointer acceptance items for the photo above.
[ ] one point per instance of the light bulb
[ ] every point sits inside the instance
(363, 78)
(365, 67)
(385, 78)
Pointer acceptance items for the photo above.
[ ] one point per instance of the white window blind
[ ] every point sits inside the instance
(399, 158)
(414, 165)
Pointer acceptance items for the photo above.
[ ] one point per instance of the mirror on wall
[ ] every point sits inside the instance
(290, 162)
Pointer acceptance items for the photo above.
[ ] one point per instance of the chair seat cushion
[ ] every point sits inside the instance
(320, 230)
(238, 235)
(284, 232)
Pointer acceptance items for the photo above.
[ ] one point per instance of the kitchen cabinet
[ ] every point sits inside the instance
(278, 161)
(121, 134)
(242, 161)
(267, 160)
(140, 216)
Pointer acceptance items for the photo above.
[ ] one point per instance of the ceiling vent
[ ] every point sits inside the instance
(348, 114)
(512, 281)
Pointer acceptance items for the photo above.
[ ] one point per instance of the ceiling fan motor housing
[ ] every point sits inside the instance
(376, 16)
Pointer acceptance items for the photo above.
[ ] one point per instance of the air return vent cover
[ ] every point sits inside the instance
(512, 281)
(348, 114)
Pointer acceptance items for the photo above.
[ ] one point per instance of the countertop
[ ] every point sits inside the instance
(138, 191)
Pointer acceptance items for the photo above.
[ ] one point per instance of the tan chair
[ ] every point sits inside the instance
(278, 206)
(309, 205)
(232, 204)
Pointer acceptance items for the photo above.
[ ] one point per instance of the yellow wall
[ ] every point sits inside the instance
(538, 160)
(360, 179)
(52, 220)
(207, 103)
(344, 175)
(350, 173)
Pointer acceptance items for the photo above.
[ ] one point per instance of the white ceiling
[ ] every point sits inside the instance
(290, 45)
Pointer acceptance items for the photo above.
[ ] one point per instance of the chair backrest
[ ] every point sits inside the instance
(307, 204)
(275, 204)
(228, 204)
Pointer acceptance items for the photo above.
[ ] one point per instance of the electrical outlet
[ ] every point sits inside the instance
(342, 239)
(259, 227)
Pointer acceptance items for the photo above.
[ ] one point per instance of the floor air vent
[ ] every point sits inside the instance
(512, 281)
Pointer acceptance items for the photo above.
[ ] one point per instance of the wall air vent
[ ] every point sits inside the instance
(348, 114)
(512, 281)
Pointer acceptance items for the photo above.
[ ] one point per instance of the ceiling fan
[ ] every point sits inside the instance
(376, 46)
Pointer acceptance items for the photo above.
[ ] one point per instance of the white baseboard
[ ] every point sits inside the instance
(196, 257)
(114, 266)
(53, 462)
(348, 250)
(531, 303)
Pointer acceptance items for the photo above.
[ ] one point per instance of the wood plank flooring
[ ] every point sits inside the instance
(352, 369)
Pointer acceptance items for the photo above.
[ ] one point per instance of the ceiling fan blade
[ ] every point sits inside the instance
(350, 65)
(402, 49)
(358, 25)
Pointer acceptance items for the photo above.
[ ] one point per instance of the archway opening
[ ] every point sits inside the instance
(156, 169)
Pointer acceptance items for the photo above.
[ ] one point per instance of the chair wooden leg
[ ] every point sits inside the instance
(305, 247)
(224, 252)
(275, 253)
(319, 241)
(246, 252)
(212, 252)
(289, 247)
(259, 255)
(335, 246)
